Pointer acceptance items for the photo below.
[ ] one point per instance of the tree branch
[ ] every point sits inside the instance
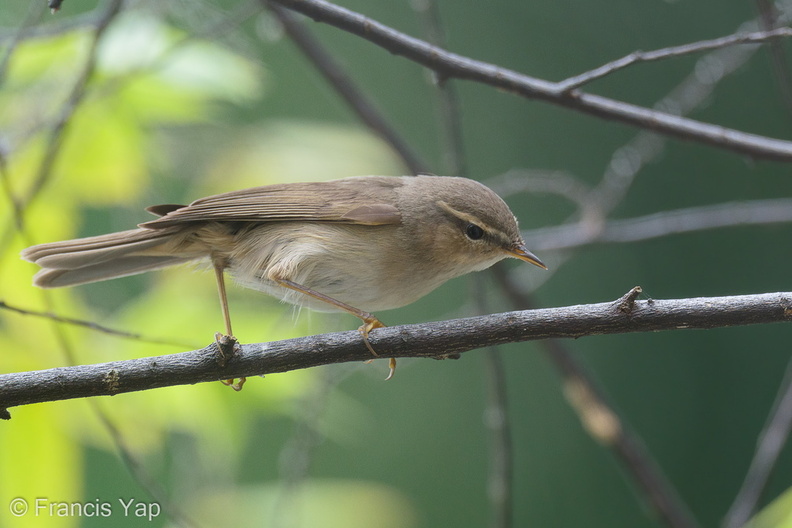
(452, 65)
(755, 37)
(438, 339)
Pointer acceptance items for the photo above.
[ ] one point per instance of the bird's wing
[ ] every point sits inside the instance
(365, 200)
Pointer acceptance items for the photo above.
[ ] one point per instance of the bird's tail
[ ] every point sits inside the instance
(98, 258)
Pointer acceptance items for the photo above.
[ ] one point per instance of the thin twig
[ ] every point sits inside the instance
(420, 340)
(538, 181)
(769, 19)
(666, 223)
(769, 446)
(691, 93)
(296, 454)
(757, 37)
(452, 65)
(34, 13)
(607, 427)
(140, 473)
(91, 326)
(595, 205)
(8, 191)
(450, 114)
(345, 87)
(501, 474)
(498, 420)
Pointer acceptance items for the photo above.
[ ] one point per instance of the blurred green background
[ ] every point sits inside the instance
(193, 98)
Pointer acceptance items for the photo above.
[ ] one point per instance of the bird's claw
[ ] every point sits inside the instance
(367, 326)
(228, 346)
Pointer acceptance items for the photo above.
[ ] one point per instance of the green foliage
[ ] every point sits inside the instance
(777, 514)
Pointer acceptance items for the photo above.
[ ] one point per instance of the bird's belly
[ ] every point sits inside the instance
(355, 290)
(345, 263)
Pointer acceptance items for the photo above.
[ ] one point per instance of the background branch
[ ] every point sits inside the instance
(664, 223)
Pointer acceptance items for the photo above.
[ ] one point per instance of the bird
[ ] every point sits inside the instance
(358, 245)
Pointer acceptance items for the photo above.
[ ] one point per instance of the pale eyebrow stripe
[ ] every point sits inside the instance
(496, 233)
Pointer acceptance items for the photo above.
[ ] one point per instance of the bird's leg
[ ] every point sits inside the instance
(226, 343)
(219, 268)
(370, 322)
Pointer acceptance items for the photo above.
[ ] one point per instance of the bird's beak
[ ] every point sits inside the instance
(521, 252)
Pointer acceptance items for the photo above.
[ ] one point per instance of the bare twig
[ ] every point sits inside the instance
(606, 426)
(452, 65)
(140, 473)
(498, 421)
(7, 191)
(90, 325)
(342, 83)
(34, 13)
(296, 454)
(756, 37)
(537, 181)
(769, 19)
(450, 112)
(689, 220)
(771, 441)
(594, 205)
(646, 146)
(420, 340)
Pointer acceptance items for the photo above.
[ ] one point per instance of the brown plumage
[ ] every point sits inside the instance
(365, 243)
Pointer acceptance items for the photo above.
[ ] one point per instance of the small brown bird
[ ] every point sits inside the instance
(357, 245)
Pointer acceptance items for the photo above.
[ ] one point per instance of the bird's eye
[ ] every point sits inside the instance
(474, 232)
